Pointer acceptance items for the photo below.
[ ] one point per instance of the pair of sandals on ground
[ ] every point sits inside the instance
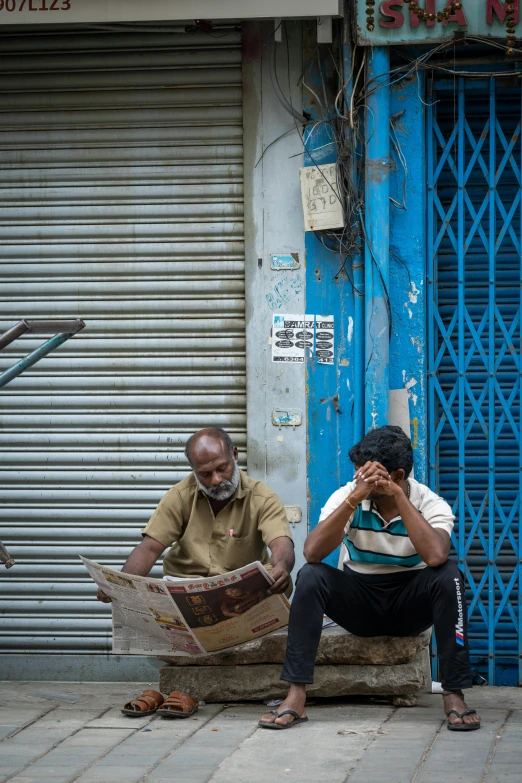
(179, 704)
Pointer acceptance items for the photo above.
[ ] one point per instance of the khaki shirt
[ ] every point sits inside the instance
(201, 544)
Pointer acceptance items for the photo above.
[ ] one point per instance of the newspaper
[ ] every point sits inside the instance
(189, 616)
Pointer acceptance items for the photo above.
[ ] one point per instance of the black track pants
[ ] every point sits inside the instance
(401, 604)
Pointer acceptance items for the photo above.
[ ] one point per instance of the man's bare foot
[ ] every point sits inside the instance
(295, 700)
(454, 700)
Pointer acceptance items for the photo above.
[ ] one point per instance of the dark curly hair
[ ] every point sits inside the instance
(387, 445)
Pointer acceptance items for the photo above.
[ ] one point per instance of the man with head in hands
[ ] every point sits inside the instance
(396, 578)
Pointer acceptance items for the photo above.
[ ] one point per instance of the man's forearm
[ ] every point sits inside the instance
(142, 558)
(282, 552)
(139, 562)
(429, 543)
(327, 535)
(282, 558)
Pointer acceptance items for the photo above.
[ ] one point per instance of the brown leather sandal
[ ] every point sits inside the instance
(178, 705)
(145, 704)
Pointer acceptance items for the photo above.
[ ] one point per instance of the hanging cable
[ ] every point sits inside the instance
(302, 118)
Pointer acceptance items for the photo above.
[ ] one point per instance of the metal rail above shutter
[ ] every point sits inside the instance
(121, 202)
(474, 277)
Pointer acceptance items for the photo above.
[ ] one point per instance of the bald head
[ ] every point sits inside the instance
(207, 440)
(213, 458)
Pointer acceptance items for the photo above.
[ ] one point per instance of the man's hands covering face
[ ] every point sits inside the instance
(372, 477)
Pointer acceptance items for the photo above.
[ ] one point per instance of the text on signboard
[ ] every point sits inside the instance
(392, 17)
(35, 5)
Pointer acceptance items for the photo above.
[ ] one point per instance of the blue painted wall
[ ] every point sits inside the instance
(329, 387)
(330, 403)
(408, 346)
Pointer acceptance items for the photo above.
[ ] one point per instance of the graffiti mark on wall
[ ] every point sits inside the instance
(285, 288)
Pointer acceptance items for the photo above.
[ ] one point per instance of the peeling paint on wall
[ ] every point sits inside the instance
(416, 343)
(409, 385)
(413, 295)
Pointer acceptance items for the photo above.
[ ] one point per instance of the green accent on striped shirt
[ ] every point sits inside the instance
(378, 558)
(368, 520)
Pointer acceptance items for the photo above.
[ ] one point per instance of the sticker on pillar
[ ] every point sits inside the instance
(293, 513)
(292, 337)
(322, 204)
(324, 339)
(286, 417)
(284, 262)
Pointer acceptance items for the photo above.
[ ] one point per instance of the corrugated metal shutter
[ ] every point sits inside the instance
(121, 202)
(475, 154)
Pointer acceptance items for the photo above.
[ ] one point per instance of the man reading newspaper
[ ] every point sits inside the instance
(214, 521)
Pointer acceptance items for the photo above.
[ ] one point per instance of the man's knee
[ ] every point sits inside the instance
(448, 575)
(311, 576)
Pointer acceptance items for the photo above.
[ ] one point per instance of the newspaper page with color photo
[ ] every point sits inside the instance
(189, 616)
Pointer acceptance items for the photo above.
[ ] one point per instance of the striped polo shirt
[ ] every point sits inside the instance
(373, 546)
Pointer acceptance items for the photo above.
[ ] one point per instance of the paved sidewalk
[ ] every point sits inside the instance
(64, 732)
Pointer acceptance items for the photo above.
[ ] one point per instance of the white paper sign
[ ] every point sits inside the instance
(322, 205)
(324, 339)
(292, 335)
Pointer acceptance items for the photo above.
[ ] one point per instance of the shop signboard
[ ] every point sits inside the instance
(112, 11)
(393, 22)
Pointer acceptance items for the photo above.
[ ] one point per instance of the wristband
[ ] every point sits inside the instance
(349, 504)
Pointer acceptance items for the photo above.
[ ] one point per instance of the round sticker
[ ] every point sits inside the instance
(303, 344)
(304, 335)
(323, 345)
(324, 336)
(284, 344)
(286, 333)
(324, 354)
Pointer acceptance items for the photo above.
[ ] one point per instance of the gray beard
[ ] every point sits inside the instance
(223, 491)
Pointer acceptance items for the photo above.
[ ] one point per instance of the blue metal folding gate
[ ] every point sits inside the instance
(474, 306)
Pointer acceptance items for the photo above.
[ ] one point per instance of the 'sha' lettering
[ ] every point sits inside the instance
(395, 18)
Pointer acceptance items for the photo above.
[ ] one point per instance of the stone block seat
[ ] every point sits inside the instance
(395, 667)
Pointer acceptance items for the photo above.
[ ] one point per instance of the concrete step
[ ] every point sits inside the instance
(337, 646)
(262, 681)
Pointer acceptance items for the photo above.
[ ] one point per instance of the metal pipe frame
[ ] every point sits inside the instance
(32, 358)
(13, 334)
(377, 231)
(357, 268)
(40, 327)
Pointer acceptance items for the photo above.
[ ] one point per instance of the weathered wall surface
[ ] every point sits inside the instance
(273, 225)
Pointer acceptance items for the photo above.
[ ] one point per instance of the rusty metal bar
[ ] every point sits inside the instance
(71, 326)
(40, 327)
(5, 557)
(13, 334)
